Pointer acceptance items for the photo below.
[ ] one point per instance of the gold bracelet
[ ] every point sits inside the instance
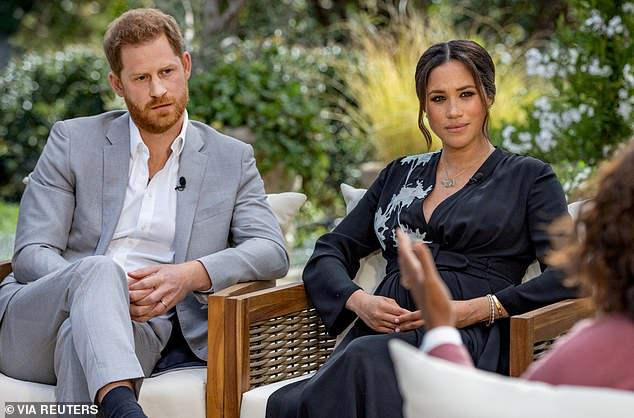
(498, 306)
(491, 310)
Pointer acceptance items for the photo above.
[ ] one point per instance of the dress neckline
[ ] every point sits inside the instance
(480, 175)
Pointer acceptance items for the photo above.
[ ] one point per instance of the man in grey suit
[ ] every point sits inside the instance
(128, 220)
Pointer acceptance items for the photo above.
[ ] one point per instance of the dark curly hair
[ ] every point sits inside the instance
(597, 252)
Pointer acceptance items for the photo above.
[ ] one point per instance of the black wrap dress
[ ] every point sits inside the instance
(483, 237)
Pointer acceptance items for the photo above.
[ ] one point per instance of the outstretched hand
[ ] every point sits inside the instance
(419, 275)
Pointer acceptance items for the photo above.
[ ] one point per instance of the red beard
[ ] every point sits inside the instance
(158, 121)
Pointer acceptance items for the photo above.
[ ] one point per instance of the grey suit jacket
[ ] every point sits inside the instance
(73, 200)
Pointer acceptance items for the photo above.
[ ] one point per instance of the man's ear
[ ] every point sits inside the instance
(186, 60)
(115, 83)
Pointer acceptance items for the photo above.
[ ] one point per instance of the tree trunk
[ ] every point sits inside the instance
(217, 20)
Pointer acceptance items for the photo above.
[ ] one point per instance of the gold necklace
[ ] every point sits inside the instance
(449, 182)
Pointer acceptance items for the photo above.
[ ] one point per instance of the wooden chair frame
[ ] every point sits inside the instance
(235, 369)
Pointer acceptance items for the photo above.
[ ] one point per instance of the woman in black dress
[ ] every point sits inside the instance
(483, 213)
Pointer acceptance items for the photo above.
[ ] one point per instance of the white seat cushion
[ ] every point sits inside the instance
(254, 401)
(12, 390)
(432, 387)
(179, 393)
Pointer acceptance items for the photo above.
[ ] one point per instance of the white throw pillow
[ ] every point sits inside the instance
(285, 207)
(432, 387)
(372, 267)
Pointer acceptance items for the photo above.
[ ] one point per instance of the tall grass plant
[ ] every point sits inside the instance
(382, 89)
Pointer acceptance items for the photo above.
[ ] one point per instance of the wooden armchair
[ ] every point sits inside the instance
(154, 398)
(271, 335)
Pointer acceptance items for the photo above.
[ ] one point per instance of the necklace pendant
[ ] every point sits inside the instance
(447, 182)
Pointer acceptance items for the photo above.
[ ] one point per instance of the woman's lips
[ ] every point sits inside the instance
(459, 127)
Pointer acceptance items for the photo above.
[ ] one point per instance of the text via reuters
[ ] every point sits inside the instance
(48, 409)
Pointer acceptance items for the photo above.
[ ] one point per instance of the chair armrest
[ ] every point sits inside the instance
(5, 269)
(543, 324)
(242, 288)
(264, 336)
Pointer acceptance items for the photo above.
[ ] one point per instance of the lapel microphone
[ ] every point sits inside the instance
(181, 184)
(473, 180)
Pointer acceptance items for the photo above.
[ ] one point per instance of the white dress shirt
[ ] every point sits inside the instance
(144, 235)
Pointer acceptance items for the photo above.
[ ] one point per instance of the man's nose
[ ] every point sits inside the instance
(157, 88)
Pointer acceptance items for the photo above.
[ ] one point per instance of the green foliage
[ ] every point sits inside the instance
(37, 91)
(285, 96)
(11, 12)
(57, 24)
(525, 19)
(8, 221)
(8, 217)
(573, 177)
(590, 108)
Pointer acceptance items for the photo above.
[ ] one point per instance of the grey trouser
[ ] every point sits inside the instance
(72, 328)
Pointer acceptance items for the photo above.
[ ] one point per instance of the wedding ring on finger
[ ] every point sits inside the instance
(163, 303)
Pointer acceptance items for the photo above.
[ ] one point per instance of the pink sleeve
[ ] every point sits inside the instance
(452, 352)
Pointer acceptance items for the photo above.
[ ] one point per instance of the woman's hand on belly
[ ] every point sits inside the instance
(378, 312)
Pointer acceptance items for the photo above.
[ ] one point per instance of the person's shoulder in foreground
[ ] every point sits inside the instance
(594, 353)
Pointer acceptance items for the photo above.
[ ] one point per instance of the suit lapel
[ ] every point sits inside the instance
(192, 166)
(116, 165)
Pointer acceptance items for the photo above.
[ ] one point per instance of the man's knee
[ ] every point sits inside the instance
(101, 269)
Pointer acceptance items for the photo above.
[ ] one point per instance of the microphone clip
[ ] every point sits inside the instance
(181, 184)
(476, 178)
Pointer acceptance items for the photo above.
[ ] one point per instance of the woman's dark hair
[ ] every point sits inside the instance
(474, 57)
(597, 252)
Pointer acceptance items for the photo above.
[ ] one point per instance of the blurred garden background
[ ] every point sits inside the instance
(324, 89)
